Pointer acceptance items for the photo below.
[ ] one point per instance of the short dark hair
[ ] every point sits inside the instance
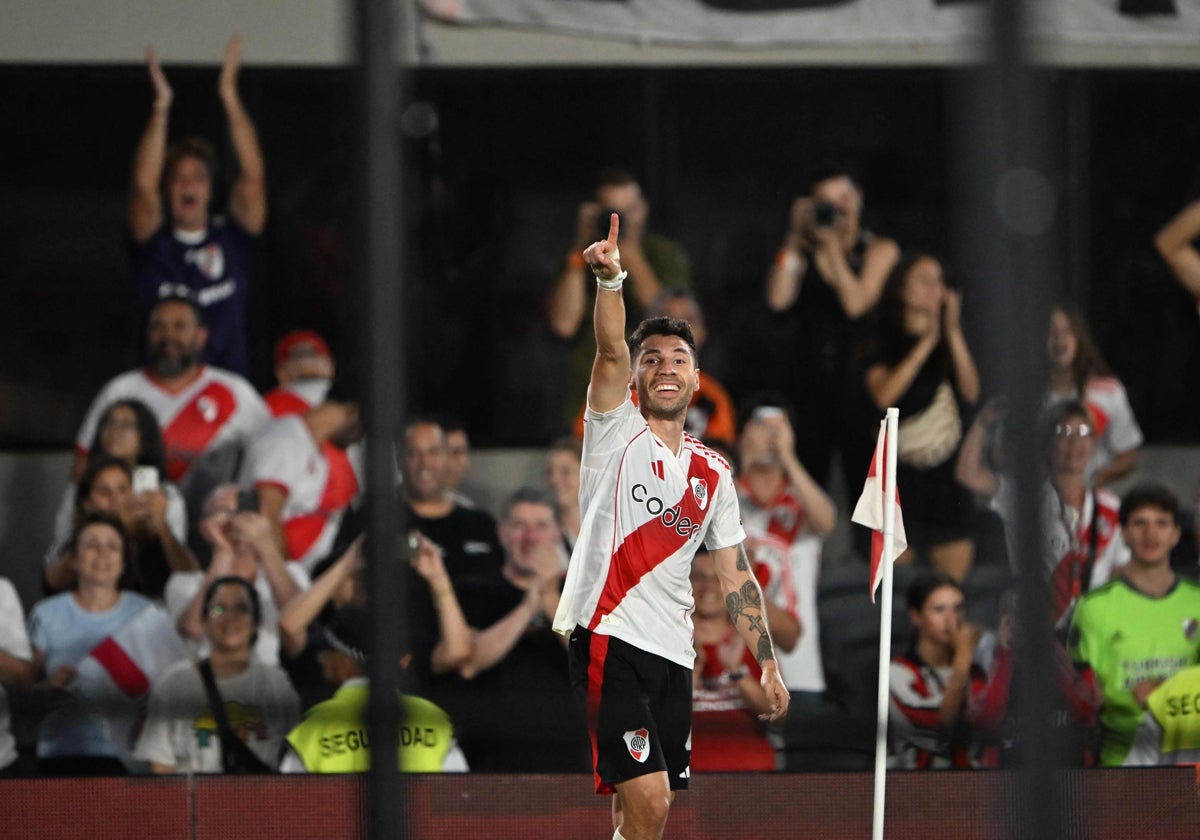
(195, 147)
(662, 325)
(1148, 494)
(925, 584)
(94, 467)
(532, 496)
(100, 517)
(178, 296)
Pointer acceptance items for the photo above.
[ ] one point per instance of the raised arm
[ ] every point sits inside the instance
(144, 214)
(248, 198)
(818, 507)
(857, 293)
(783, 280)
(966, 375)
(1175, 243)
(611, 368)
(744, 600)
(303, 610)
(971, 469)
(568, 301)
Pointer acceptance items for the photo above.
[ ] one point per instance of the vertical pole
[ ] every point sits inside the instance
(885, 623)
(379, 224)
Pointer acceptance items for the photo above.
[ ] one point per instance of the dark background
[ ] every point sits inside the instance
(491, 201)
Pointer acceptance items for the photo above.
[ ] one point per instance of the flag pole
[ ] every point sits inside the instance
(885, 623)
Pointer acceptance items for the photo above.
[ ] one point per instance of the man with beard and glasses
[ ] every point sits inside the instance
(203, 411)
(304, 469)
(651, 494)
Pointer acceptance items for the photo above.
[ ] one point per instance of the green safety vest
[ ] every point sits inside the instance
(332, 737)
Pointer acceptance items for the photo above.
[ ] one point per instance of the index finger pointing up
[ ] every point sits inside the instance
(614, 227)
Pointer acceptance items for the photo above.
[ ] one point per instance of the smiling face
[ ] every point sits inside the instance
(924, 286)
(99, 555)
(229, 622)
(1074, 442)
(526, 532)
(666, 377)
(426, 467)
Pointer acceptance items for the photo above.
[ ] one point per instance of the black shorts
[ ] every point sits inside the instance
(638, 708)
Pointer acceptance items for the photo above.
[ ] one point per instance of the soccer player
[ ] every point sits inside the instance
(651, 495)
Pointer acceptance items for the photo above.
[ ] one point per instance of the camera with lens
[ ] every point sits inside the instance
(825, 214)
(603, 218)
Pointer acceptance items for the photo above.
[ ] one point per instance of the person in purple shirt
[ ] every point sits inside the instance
(179, 248)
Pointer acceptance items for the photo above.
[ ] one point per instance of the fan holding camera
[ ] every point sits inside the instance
(828, 274)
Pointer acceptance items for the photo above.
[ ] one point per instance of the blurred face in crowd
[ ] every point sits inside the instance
(119, 435)
(706, 587)
(841, 192)
(1151, 534)
(111, 492)
(562, 474)
(458, 457)
(99, 555)
(304, 362)
(229, 624)
(925, 287)
(425, 462)
(666, 376)
(1074, 442)
(1061, 343)
(174, 339)
(627, 200)
(189, 192)
(526, 533)
(940, 617)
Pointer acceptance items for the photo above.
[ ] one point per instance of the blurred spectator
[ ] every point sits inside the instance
(243, 546)
(128, 430)
(1170, 729)
(332, 738)
(157, 549)
(515, 679)
(458, 457)
(465, 536)
(930, 682)
(180, 249)
(440, 637)
(302, 468)
(711, 414)
(184, 732)
(1176, 243)
(204, 412)
(562, 477)
(1141, 627)
(921, 364)
(16, 668)
(785, 514)
(1081, 542)
(304, 370)
(993, 707)
(654, 263)
(1078, 373)
(99, 648)
(828, 274)
(726, 696)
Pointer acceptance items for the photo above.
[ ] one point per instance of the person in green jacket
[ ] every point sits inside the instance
(332, 736)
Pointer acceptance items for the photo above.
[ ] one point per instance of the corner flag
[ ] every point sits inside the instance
(871, 506)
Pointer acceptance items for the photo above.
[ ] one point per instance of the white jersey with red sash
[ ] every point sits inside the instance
(646, 511)
(318, 484)
(216, 408)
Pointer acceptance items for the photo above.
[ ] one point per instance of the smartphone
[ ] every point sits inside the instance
(248, 501)
(145, 479)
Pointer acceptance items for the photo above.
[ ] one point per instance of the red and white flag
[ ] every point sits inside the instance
(869, 511)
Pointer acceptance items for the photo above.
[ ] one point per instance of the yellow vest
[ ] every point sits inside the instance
(332, 737)
(1176, 706)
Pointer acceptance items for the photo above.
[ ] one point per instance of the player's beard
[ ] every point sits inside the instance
(662, 410)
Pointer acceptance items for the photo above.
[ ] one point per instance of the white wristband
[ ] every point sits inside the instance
(613, 285)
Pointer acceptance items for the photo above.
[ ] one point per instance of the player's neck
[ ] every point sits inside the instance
(1153, 578)
(670, 432)
(1072, 489)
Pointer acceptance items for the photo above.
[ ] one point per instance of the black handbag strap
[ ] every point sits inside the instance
(232, 747)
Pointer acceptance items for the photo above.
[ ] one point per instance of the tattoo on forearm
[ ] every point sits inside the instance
(743, 562)
(747, 603)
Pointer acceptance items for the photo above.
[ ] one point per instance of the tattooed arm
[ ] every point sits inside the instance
(744, 601)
